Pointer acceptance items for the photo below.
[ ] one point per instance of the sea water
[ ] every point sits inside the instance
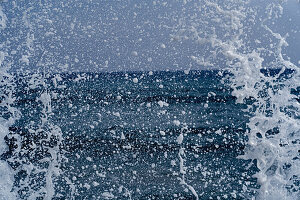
(230, 133)
(167, 136)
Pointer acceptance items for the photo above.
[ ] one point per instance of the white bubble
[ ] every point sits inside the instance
(173, 163)
(117, 114)
(193, 58)
(162, 103)
(176, 122)
(163, 46)
(210, 94)
(87, 186)
(187, 71)
(108, 195)
(150, 73)
(122, 136)
(89, 159)
(134, 53)
(257, 41)
(162, 132)
(180, 138)
(25, 59)
(135, 80)
(95, 183)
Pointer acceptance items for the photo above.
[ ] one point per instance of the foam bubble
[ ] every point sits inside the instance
(163, 46)
(134, 53)
(135, 80)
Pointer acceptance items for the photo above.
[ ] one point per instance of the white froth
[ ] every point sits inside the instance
(176, 122)
(162, 103)
(180, 138)
(6, 182)
(6, 173)
(107, 195)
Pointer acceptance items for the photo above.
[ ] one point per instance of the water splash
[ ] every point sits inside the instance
(273, 136)
(274, 128)
(8, 116)
(237, 35)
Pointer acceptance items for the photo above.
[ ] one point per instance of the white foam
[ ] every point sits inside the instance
(6, 182)
(107, 195)
(162, 103)
(271, 111)
(3, 133)
(245, 62)
(6, 173)
(176, 122)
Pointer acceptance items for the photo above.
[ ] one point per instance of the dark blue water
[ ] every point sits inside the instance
(120, 136)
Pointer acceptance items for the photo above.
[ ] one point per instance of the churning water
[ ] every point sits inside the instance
(220, 122)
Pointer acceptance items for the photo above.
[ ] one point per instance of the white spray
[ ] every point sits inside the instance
(7, 99)
(274, 126)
